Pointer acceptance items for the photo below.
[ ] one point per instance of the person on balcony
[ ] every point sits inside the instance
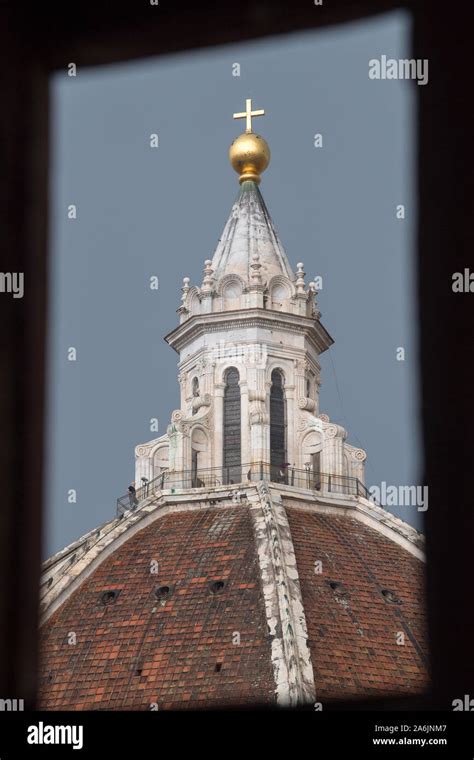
(132, 495)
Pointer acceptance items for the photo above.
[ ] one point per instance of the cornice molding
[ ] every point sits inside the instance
(204, 324)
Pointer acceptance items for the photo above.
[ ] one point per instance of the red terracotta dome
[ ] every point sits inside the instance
(197, 601)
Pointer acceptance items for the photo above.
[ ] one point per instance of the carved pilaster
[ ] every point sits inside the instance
(257, 407)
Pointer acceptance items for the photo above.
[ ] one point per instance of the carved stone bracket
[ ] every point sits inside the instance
(302, 423)
(335, 431)
(307, 403)
(200, 401)
(257, 410)
(143, 451)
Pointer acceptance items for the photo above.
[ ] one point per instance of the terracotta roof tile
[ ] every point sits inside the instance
(352, 628)
(138, 650)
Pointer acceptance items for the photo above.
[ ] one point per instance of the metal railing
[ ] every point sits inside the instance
(242, 474)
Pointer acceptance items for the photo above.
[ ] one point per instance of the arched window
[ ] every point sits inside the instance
(280, 294)
(278, 454)
(232, 447)
(231, 294)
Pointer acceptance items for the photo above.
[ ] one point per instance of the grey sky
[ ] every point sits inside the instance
(144, 212)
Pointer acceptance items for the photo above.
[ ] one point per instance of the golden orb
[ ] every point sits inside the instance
(249, 155)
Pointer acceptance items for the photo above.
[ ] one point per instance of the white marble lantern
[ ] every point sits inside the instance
(248, 340)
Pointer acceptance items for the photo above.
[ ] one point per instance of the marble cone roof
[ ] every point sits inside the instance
(249, 230)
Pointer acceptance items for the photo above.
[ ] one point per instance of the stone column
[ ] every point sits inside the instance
(179, 444)
(258, 420)
(357, 459)
(291, 414)
(333, 452)
(317, 390)
(266, 426)
(218, 433)
(246, 446)
(182, 380)
(301, 367)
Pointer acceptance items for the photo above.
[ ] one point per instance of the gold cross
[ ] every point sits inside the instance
(248, 113)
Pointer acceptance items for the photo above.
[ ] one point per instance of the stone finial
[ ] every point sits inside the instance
(208, 280)
(185, 289)
(312, 298)
(300, 274)
(256, 274)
